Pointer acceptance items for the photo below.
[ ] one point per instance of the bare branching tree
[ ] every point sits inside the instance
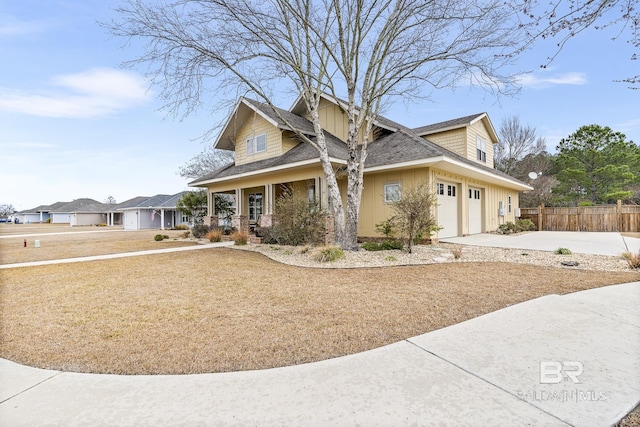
(364, 51)
(565, 19)
(516, 142)
(209, 160)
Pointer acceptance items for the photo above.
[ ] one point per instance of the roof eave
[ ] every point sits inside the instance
(452, 165)
(205, 183)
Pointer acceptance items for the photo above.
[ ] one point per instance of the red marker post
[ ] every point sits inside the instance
(25, 243)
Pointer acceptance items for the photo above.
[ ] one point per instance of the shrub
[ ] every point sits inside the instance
(413, 213)
(199, 230)
(181, 227)
(240, 238)
(563, 251)
(506, 228)
(632, 259)
(328, 254)
(185, 234)
(298, 222)
(520, 226)
(267, 234)
(525, 225)
(158, 237)
(214, 235)
(385, 245)
(387, 227)
(391, 258)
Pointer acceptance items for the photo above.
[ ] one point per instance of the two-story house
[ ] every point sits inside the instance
(455, 157)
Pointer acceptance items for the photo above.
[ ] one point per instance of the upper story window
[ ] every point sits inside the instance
(481, 150)
(257, 144)
(391, 193)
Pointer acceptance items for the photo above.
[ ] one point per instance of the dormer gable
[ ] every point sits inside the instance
(255, 132)
(471, 136)
(333, 118)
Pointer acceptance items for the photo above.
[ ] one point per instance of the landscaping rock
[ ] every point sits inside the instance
(570, 263)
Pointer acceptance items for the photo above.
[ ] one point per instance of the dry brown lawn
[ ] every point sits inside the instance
(77, 242)
(217, 310)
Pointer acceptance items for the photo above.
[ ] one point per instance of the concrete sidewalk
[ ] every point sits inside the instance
(117, 255)
(611, 244)
(485, 371)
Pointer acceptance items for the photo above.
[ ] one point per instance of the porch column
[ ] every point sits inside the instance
(211, 219)
(266, 219)
(161, 219)
(239, 202)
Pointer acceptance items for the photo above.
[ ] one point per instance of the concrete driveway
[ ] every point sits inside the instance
(612, 244)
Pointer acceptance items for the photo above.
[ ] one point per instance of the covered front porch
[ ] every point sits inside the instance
(254, 205)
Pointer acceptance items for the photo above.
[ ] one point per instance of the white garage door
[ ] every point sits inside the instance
(447, 209)
(475, 211)
(130, 220)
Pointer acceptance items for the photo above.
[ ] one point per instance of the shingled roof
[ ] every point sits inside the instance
(300, 153)
(401, 145)
(447, 124)
(81, 205)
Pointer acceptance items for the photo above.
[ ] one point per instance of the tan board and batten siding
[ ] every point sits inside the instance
(256, 126)
(374, 210)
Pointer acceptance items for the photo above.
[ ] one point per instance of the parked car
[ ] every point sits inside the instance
(4, 220)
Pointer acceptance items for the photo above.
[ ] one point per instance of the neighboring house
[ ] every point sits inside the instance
(159, 211)
(79, 212)
(38, 214)
(455, 157)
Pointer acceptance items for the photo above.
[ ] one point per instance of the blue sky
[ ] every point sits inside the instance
(73, 124)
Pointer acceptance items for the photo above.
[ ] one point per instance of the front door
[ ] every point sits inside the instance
(255, 207)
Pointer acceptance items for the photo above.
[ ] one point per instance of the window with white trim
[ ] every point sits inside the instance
(257, 144)
(391, 193)
(509, 204)
(481, 149)
(440, 189)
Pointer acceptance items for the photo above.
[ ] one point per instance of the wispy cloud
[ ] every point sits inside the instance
(534, 80)
(93, 93)
(12, 26)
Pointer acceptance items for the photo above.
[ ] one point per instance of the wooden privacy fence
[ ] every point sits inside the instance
(619, 217)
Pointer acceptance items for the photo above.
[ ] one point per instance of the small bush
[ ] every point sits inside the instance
(240, 238)
(214, 235)
(506, 228)
(632, 259)
(200, 230)
(385, 245)
(387, 227)
(298, 221)
(328, 254)
(563, 251)
(181, 227)
(185, 234)
(525, 225)
(267, 234)
(520, 226)
(391, 258)
(158, 237)
(457, 252)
